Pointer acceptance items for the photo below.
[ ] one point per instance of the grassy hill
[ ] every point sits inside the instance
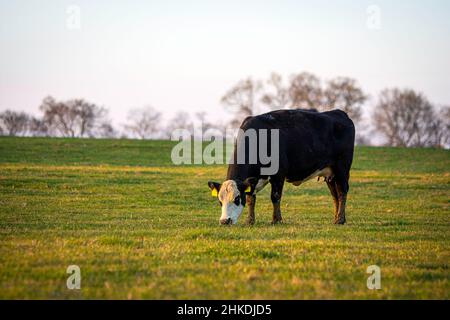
(140, 227)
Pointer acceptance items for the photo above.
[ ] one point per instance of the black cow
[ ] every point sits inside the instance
(311, 144)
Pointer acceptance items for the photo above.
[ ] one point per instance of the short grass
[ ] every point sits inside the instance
(139, 227)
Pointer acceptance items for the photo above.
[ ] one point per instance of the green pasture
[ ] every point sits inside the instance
(140, 227)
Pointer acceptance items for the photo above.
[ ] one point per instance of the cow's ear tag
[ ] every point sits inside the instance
(214, 192)
(249, 189)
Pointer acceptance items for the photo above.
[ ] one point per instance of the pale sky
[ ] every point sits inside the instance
(184, 55)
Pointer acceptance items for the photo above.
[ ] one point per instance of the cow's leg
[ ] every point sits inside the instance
(342, 189)
(277, 191)
(332, 186)
(251, 201)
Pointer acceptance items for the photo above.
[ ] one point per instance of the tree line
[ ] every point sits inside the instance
(78, 118)
(401, 117)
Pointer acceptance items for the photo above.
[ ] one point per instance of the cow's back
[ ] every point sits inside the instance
(309, 140)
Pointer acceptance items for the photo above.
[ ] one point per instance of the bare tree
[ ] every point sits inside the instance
(14, 123)
(440, 129)
(106, 130)
(305, 91)
(345, 94)
(406, 118)
(445, 114)
(58, 117)
(181, 120)
(38, 127)
(242, 99)
(201, 117)
(143, 122)
(278, 97)
(89, 116)
(73, 118)
(362, 140)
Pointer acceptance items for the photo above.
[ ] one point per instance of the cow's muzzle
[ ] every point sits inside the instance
(225, 221)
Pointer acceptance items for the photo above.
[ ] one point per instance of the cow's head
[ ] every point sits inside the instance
(232, 197)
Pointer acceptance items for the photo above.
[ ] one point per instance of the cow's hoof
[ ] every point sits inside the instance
(274, 222)
(340, 221)
(250, 222)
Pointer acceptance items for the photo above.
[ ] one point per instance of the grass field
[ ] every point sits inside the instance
(139, 227)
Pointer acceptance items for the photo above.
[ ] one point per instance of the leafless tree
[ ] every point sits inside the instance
(345, 94)
(72, 118)
(362, 140)
(445, 113)
(201, 118)
(144, 122)
(278, 95)
(106, 130)
(58, 117)
(242, 100)
(305, 91)
(440, 129)
(406, 118)
(14, 123)
(181, 120)
(38, 127)
(89, 116)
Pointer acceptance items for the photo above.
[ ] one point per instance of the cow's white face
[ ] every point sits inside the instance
(230, 198)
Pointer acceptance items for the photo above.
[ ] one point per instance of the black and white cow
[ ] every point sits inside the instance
(311, 144)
